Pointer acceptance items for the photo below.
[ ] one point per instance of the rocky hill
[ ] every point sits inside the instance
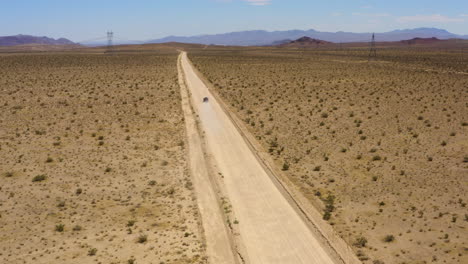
(27, 39)
(305, 42)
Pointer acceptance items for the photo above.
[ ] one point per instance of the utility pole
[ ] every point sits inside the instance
(110, 36)
(373, 50)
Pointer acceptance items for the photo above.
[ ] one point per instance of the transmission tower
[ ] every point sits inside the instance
(373, 50)
(110, 36)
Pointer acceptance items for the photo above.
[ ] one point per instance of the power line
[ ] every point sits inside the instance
(373, 50)
(110, 36)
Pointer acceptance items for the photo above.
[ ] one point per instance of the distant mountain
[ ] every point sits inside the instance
(262, 37)
(27, 39)
(421, 41)
(305, 42)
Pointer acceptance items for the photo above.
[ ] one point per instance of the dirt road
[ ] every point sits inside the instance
(271, 230)
(218, 242)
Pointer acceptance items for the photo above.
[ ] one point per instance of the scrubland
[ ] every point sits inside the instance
(93, 163)
(379, 147)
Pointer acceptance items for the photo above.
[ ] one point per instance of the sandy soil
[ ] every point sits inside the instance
(107, 134)
(270, 229)
(379, 147)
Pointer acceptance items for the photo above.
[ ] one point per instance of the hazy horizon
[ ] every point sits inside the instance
(145, 20)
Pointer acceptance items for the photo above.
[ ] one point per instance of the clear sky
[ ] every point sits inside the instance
(81, 20)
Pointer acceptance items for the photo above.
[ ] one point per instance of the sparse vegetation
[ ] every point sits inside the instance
(64, 120)
(360, 242)
(388, 129)
(92, 251)
(39, 178)
(389, 238)
(142, 238)
(59, 227)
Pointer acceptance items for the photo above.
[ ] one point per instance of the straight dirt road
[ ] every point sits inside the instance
(218, 243)
(271, 230)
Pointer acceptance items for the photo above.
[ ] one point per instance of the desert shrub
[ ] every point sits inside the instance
(77, 228)
(59, 227)
(171, 191)
(360, 242)
(92, 251)
(285, 166)
(389, 238)
(131, 223)
(329, 206)
(142, 238)
(326, 216)
(39, 178)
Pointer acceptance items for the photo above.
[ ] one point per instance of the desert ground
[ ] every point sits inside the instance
(97, 162)
(93, 162)
(380, 146)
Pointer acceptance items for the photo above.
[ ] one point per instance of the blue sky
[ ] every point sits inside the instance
(81, 20)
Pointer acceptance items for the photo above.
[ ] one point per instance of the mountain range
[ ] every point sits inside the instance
(254, 37)
(263, 38)
(27, 39)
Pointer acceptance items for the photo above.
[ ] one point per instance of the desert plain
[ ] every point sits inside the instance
(93, 166)
(94, 160)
